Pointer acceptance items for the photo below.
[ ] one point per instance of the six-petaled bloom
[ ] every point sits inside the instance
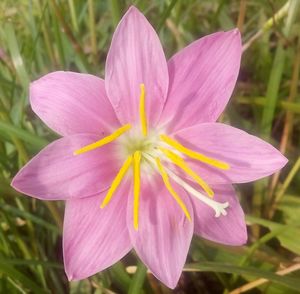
(142, 162)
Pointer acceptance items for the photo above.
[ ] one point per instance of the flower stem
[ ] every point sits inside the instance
(138, 279)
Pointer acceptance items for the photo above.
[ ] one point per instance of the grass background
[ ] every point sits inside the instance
(37, 37)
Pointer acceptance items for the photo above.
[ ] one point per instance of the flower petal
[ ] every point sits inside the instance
(249, 157)
(95, 238)
(164, 234)
(55, 173)
(71, 103)
(202, 78)
(230, 229)
(136, 57)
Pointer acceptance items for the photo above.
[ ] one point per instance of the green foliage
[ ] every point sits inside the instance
(37, 37)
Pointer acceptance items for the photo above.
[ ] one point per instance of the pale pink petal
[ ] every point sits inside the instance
(136, 57)
(164, 234)
(71, 103)
(95, 238)
(249, 157)
(55, 173)
(202, 78)
(227, 229)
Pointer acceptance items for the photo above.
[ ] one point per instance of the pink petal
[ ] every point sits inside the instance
(55, 173)
(202, 78)
(249, 157)
(95, 238)
(230, 229)
(71, 103)
(164, 234)
(136, 57)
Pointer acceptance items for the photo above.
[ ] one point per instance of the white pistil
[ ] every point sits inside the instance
(218, 207)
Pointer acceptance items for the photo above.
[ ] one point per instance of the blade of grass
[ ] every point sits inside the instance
(276, 73)
(166, 14)
(115, 11)
(16, 57)
(27, 137)
(73, 15)
(292, 283)
(26, 215)
(24, 280)
(92, 28)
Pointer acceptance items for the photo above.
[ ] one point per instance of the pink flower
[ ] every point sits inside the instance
(144, 145)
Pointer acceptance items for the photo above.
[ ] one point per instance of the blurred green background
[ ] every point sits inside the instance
(37, 37)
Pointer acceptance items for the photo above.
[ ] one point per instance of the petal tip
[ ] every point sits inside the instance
(235, 34)
(235, 31)
(70, 277)
(15, 182)
(243, 240)
(172, 284)
(170, 281)
(132, 9)
(284, 161)
(281, 161)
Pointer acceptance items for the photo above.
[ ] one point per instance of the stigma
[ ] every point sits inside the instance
(141, 147)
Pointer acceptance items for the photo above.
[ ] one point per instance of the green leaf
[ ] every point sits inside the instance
(8, 129)
(16, 56)
(286, 234)
(17, 275)
(29, 216)
(292, 283)
(24, 262)
(290, 206)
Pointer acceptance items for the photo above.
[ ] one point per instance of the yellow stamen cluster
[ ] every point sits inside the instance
(195, 155)
(135, 159)
(177, 160)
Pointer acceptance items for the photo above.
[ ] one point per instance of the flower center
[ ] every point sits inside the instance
(144, 147)
(133, 141)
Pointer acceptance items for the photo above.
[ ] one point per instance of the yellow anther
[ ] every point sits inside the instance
(184, 166)
(136, 187)
(195, 155)
(104, 141)
(143, 110)
(167, 183)
(117, 180)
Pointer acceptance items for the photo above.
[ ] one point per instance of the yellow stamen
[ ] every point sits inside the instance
(195, 155)
(104, 141)
(143, 111)
(117, 180)
(184, 166)
(136, 187)
(167, 183)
